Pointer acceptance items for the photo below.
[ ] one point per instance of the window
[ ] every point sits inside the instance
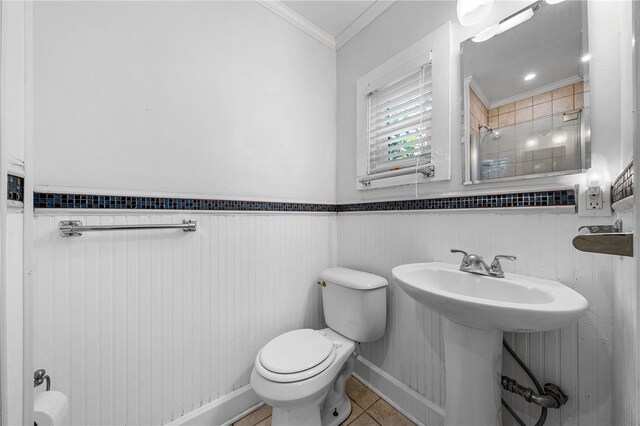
(399, 123)
(404, 116)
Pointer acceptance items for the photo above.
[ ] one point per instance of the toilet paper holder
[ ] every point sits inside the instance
(40, 376)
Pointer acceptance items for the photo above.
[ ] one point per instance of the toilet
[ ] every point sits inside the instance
(302, 373)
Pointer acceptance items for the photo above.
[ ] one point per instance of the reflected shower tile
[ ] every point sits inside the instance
(506, 144)
(558, 152)
(524, 155)
(563, 92)
(578, 87)
(474, 123)
(523, 103)
(493, 122)
(508, 170)
(542, 154)
(578, 100)
(560, 165)
(524, 115)
(506, 108)
(506, 157)
(563, 104)
(507, 119)
(542, 98)
(542, 110)
(524, 168)
(543, 166)
(542, 125)
(493, 112)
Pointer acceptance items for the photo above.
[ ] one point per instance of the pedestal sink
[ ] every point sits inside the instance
(477, 309)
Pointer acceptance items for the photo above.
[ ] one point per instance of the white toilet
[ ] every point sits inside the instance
(302, 373)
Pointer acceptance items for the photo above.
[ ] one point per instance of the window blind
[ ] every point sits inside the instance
(399, 123)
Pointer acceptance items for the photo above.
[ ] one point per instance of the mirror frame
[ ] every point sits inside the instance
(585, 128)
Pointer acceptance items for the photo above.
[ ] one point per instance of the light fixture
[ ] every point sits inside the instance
(586, 57)
(516, 20)
(532, 142)
(553, 1)
(472, 12)
(486, 34)
(529, 76)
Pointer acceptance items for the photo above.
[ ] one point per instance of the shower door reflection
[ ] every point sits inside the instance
(546, 145)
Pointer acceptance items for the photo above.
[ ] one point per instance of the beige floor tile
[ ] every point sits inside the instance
(265, 422)
(386, 415)
(364, 420)
(255, 417)
(358, 392)
(356, 410)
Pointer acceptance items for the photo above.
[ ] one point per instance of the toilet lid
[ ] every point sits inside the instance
(295, 351)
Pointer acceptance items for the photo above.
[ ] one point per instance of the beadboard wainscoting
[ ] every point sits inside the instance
(626, 340)
(577, 358)
(141, 327)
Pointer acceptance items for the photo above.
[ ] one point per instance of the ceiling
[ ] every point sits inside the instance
(332, 16)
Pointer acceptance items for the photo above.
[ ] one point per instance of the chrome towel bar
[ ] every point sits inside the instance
(75, 228)
(427, 170)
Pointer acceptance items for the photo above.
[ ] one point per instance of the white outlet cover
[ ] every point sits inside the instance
(581, 201)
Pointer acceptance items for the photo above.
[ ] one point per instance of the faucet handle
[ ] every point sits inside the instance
(466, 255)
(496, 266)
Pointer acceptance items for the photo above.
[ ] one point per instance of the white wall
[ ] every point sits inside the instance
(577, 358)
(626, 298)
(406, 22)
(143, 327)
(13, 317)
(12, 138)
(217, 98)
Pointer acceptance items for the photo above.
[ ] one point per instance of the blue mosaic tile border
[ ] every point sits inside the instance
(623, 186)
(521, 199)
(84, 201)
(15, 188)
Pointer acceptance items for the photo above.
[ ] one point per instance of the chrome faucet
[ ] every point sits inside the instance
(475, 264)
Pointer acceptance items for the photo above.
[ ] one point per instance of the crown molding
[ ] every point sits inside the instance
(294, 18)
(289, 15)
(367, 17)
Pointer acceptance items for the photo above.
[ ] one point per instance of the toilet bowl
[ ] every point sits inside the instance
(298, 397)
(302, 373)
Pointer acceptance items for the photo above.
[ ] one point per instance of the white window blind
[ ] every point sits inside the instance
(399, 123)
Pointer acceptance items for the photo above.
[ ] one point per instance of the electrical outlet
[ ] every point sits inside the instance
(594, 198)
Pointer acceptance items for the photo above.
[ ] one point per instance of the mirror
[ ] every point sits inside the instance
(526, 95)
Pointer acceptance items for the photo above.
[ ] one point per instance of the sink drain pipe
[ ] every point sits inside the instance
(549, 397)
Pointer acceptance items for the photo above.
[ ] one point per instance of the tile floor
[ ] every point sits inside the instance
(367, 409)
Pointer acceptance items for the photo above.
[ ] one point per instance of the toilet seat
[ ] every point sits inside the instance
(294, 356)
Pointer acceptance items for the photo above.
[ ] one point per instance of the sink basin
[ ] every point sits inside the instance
(477, 309)
(512, 303)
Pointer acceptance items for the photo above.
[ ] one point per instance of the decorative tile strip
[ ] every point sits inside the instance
(15, 188)
(520, 199)
(83, 201)
(622, 187)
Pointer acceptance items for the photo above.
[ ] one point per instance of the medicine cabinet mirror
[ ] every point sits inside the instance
(525, 87)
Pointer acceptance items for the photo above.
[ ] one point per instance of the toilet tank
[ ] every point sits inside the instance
(354, 303)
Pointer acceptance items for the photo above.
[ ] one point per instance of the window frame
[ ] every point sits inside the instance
(437, 47)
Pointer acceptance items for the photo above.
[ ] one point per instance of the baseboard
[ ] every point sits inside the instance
(416, 407)
(235, 405)
(223, 411)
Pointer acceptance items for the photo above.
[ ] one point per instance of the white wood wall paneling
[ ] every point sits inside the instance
(141, 327)
(578, 358)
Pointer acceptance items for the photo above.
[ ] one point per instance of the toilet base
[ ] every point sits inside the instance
(343, 409)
